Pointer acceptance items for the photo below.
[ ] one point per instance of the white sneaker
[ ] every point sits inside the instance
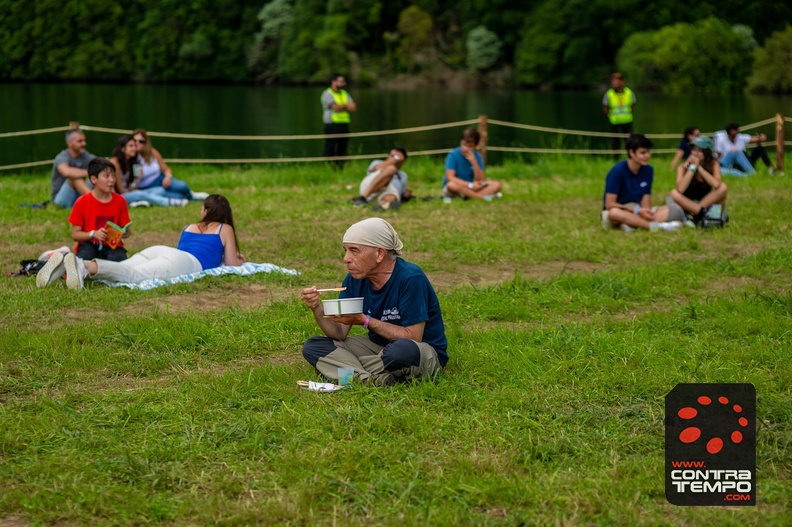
(626, 228)
(47, 254)
(140, 204)
(199, 195)
(51, 271)
(75, 271)
(667, 226)
(176, 202)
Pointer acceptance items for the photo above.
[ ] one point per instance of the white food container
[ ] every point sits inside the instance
(343, 306)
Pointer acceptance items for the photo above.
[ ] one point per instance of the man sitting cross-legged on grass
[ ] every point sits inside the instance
(385, 182)
(464, 171)
(406, 338)
(628, 191)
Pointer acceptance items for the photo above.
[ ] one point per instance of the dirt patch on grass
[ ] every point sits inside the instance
(486, 275)
(14, 520)
(97, 383)
(243, 297)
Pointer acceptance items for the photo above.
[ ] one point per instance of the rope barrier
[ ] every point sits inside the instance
(374, 133)
(757, 124)
(569, 151)
(573, 132)
(287, 137)
(527, 150)
(584, 133)
(394, 131)
(300, 159)
(34, 132)
(508, 149)
(27, 165)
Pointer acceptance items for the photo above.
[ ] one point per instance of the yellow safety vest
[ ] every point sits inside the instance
(620, 106)
(340, 98)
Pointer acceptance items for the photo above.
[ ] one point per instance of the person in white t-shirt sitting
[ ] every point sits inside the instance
(731, 147)
(385, 183)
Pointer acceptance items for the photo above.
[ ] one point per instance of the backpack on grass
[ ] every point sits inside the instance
(716, 217)
(29, 267)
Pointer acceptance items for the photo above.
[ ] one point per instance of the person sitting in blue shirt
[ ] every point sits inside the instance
(405, 333)
(464, 171)
(690, 134)
(628, 191)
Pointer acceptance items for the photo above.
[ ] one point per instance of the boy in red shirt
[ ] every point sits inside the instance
(92, 211)
(88, 219)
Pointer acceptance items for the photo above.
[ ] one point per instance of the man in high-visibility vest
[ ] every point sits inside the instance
(618, 104)
(337, 104)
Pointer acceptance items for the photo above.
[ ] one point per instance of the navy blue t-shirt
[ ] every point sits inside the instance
(628, 187)
(685, 146)
(406, 299)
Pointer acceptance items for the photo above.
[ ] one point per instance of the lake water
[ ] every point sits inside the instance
(250, 110)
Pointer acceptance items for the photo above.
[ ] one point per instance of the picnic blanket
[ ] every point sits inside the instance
(246, 269)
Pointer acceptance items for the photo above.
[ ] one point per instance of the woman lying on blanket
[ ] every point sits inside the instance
(207, 244)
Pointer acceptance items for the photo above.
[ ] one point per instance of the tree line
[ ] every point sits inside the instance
(670, 44)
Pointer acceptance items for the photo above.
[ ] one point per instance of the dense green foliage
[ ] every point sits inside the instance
(483, 48)
(179, 406)
(556, 42)
(771, 71)
(707, 55)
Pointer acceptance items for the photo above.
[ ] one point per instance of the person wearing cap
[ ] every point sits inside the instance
(698, 183)
(405, 337)
(730, 145)
(618, 104)
(385, 183)
(627, 203)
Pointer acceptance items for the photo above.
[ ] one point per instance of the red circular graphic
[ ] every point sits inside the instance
(688, 435)
(692, 434)
(687, 413)
(714, 445)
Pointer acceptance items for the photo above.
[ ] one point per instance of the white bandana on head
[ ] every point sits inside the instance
(374, 232)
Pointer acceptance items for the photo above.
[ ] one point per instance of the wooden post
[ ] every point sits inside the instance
(74, 125)
(482, 130)
(779, 142)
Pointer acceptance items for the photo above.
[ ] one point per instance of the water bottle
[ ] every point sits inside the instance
(137, 172)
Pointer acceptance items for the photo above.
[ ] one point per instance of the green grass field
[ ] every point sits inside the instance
(179, 406)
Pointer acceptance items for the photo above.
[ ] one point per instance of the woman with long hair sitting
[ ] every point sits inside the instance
(207, 244)
(683, 150)
(128, 173)
(698, 181)
(157, 173)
